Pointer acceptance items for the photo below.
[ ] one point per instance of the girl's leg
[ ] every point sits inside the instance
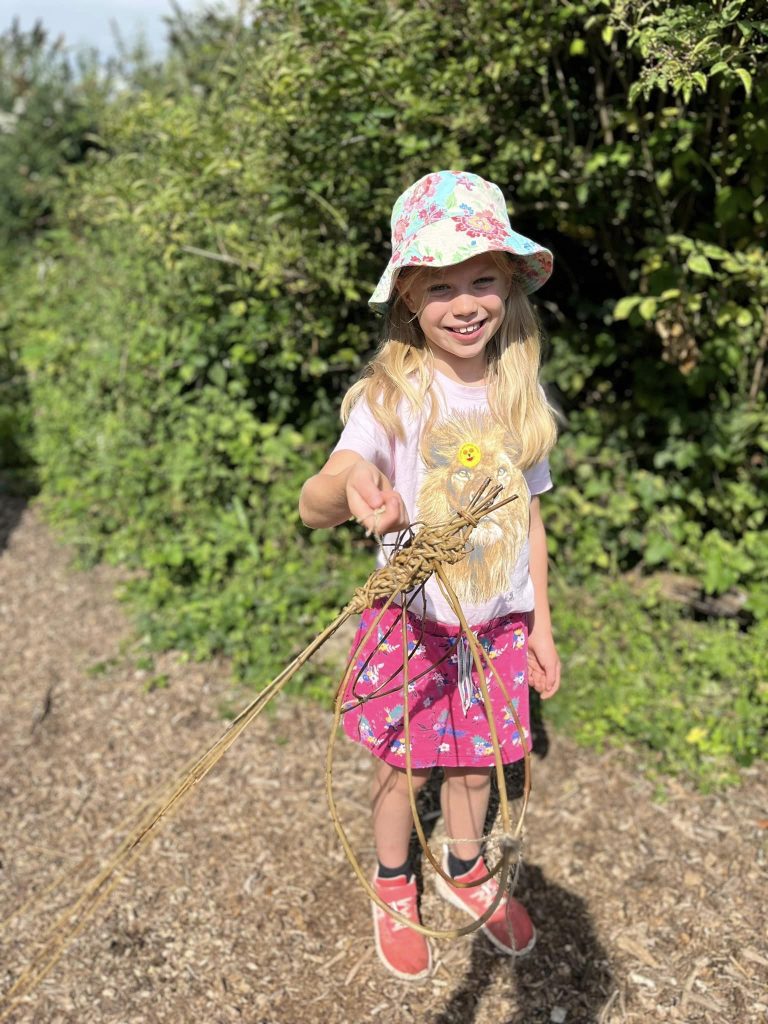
(464, 798)
(392, 818)
(404, 952)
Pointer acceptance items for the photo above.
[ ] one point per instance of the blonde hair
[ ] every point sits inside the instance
(403, 368)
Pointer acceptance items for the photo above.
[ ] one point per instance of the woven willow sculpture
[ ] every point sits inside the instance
(426, 552)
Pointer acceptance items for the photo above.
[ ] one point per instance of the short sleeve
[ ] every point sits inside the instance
(366, 436)
(538, 478)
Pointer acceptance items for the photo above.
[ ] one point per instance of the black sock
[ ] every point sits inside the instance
(404, 869)
(456, 866)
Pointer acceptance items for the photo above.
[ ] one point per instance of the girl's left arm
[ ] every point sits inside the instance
(543, 660)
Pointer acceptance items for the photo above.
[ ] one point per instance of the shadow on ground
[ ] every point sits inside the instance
(567, 971)
(11, 511)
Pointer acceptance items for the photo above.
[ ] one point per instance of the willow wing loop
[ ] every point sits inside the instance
(355, 863)
(410, 567)
(420, 554)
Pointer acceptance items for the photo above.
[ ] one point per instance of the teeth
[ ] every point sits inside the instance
(466, 330)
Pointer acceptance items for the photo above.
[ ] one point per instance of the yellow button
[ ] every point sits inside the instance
(469, 455)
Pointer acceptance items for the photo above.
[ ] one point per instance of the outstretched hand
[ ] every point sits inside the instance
(372, 500)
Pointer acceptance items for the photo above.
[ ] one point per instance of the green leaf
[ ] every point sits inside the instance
(624, 306)
(746, 78)
(715, 252)
(699, 264)
(647, 308)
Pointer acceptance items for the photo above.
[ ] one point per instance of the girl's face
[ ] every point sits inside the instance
(459, 309)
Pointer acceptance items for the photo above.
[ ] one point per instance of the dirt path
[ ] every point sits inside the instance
(244, 908)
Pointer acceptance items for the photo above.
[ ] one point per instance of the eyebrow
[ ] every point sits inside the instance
(438, 278)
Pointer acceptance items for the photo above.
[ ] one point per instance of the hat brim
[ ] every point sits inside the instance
(434, 246)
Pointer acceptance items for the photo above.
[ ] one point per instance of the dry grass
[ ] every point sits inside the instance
(244, 908)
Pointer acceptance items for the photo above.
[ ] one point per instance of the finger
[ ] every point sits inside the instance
(368, 493)
(395, 517)
(536, 679)
(553, 675)
(553, 686)
(386, 517)
(372, 521)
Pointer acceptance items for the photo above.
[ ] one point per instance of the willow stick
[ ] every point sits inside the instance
(72, 921)
(411, 566)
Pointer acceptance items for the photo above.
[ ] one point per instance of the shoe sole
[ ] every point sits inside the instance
(421, 976)
(448, 893)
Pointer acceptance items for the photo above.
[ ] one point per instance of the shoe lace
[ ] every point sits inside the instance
(404, 906)
(485, 894)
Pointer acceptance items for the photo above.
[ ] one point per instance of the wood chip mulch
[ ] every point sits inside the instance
(244, 908)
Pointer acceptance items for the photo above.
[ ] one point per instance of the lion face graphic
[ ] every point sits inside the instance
(463, 451)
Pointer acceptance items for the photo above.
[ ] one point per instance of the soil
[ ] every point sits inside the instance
(244, 907)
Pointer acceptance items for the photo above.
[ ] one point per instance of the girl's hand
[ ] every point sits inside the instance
(372, 501)
(543, 664)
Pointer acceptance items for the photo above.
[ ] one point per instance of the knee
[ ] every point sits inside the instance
(475, 780)
(391, 779)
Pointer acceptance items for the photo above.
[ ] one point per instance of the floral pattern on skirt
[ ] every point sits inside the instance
(441, 732)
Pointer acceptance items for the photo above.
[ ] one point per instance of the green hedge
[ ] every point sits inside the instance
(189, 328)
(691, 697)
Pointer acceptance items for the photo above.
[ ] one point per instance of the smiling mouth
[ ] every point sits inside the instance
(469, 331)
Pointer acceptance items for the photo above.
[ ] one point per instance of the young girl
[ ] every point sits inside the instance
(451, 398)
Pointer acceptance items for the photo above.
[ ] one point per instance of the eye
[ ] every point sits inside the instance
(483, 282)
(437, 289)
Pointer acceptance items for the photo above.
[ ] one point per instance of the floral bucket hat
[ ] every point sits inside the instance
(446, 218)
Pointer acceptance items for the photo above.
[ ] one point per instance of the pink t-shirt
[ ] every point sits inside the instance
(465, 445)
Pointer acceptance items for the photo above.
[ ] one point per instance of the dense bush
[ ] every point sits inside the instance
(50, 104)
(16, 462)
(691, 696)
(190, 327)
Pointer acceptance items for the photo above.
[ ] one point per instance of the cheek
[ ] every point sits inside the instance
(430, 313)
(497, 306)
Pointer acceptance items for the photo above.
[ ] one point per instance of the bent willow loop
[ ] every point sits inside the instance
(417, 556)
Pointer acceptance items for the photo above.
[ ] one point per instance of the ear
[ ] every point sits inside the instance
(401, 287)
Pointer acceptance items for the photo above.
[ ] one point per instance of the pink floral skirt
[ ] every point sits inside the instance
(448, 721)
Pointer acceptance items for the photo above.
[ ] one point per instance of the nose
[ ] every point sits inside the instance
(464, 304)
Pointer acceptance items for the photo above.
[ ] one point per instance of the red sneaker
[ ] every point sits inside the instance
(509, 928)
(404, 952)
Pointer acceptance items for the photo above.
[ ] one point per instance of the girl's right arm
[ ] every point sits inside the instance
(349, 485)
